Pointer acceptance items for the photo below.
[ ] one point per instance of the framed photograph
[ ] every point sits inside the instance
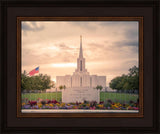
(108, 93)
(80, 66)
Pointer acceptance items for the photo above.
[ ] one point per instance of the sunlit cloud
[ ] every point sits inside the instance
(64, 65)
(109, 47)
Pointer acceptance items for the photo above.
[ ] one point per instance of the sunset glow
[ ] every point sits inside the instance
(109, 47)
(64, 65)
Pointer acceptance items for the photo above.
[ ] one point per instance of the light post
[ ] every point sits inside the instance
(56, 94)
(104, 94)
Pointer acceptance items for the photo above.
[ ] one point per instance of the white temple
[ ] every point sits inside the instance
(81, 85)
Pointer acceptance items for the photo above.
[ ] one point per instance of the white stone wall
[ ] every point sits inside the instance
(80, 94)
(101, 80)
(75, 81)
(94, 80)
(68, 81)
(60, 80)
(85, 81)
(63, 80)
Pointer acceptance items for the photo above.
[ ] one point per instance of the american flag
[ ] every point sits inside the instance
(36, 70)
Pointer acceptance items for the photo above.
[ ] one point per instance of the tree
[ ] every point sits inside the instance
(64, 87)
(133, 71)
(52, 84)
(126, 86)
(38, 82)
(116, 83)
(127, 82)
(134, 78)
(23, 81)
(60, 87)
(99, 87)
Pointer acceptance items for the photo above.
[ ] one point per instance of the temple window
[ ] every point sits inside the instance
(81, 82)
(80, 65)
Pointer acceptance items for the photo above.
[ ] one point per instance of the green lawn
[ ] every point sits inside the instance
(50, 96)
(118, 97)
(115, 97)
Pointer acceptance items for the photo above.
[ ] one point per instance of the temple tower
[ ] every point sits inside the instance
(81, 85)
(80, 59)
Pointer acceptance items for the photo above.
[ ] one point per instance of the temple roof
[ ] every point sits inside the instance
(81, 50)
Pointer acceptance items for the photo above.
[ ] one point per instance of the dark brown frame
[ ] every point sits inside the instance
(139, 114)
(11, 9)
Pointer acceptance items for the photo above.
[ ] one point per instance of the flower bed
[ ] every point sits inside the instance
(53, 104)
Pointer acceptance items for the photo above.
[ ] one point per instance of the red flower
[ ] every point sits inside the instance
(32, 103)
(49, 101)
(54, 101)
(101, 102)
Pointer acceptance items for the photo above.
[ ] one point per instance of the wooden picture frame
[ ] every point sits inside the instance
(146, 12)
(94, 115)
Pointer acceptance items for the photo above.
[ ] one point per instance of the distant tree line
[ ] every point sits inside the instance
(37, 82)
(126, 82)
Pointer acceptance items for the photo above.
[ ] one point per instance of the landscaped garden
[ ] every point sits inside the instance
(115, 97)
(113, 101)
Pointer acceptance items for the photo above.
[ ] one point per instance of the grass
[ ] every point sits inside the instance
(115, 97)
(119, 97)
(50, 96)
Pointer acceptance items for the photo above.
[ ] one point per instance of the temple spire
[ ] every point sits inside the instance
(81, 51)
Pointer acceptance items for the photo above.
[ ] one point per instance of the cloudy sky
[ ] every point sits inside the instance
(109, 47)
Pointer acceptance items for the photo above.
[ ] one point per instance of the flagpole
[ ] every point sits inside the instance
(56, 94)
